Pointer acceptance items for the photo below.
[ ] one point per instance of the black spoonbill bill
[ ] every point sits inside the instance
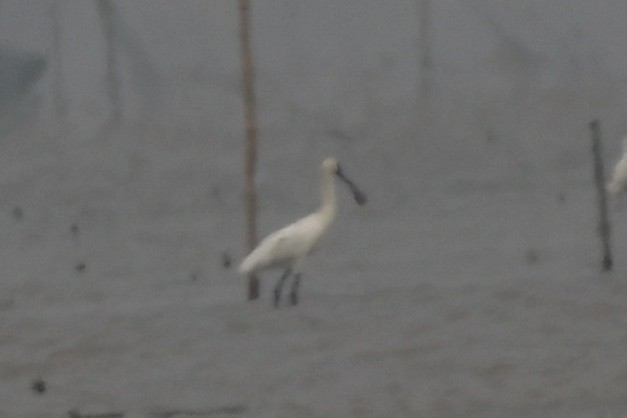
(288, 247)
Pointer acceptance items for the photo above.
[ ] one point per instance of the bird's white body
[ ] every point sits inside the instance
(618, 184)
(288, 246)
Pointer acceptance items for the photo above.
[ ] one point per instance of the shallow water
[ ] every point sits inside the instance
(473, 298)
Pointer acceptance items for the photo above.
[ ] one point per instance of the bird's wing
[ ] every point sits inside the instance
(280, 247)
(287, 243)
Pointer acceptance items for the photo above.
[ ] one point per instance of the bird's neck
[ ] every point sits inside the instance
(329, 200)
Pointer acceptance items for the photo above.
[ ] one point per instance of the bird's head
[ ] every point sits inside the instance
(330, 165)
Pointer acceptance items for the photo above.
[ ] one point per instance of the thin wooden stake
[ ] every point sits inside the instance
(604, 229)
(112, 78)
(59, 99)
(250, 162)
(425, 53)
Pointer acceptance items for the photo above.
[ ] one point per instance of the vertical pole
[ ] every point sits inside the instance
(59, 102)
(251, 137)
(599, 180)
(425, 53)
(112, 81)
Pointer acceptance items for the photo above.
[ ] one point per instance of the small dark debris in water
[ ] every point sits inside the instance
(219, 411)
(226, 260)
(490, 136)
(532, 256)
(38, 386)
(561, 198)
(80, 267)
(7, 303)
(338, 134)
(74, 413)
(194, 276)
(74, 230)
(18, 213)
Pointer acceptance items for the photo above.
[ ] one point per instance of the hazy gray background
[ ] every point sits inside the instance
(332, 71)
(468, 286)
(344, 77)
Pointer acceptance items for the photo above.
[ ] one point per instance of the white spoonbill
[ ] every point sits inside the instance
(619, 178)
(288, 247)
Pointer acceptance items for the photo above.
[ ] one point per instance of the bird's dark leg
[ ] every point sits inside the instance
(279, 286)
(294, 291)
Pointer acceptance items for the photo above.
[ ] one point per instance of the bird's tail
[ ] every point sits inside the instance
(259, 258)
(247, 265)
